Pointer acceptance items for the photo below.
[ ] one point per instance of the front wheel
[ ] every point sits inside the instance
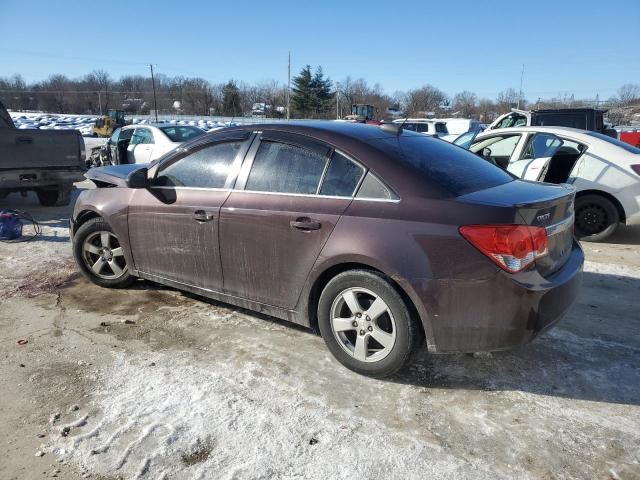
(100, 256)
(596, 217)
(366, 324)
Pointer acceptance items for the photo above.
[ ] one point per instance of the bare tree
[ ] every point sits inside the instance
(423, 101)
(465, 104)
(629, 93)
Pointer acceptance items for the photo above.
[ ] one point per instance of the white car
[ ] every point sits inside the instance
(604, 170)
(145, 143)
(458, 126)
(434, 128)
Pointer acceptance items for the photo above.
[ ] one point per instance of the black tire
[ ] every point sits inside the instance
(89, 229)
(596, 217)
(408, 332)
(54, 197)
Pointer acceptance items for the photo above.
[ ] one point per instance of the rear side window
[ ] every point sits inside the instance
(208, 167)
(447, 166)
(441, 128)
(373, 188)
(342, 177)
(284, 168)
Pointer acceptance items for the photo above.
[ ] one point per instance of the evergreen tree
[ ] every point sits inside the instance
(302, 98)
(322, 94)
(312, 95)
(231, 100)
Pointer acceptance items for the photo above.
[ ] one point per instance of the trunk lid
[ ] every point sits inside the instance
(539, 205)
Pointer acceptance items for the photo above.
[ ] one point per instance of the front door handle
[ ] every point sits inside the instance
(305, 223)
(202, 216)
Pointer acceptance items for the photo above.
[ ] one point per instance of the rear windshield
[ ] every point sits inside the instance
(629, 148)
(453, 168)
(181, 133)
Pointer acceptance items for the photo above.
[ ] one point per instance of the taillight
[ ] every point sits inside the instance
(511, 247)
(636, 168)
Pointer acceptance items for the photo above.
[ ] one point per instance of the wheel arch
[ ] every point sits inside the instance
(83, 217)
(608, 196)
(332, 271)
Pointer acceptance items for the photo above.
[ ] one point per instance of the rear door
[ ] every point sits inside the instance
(173, 225)
(290, 194)
(535, 157)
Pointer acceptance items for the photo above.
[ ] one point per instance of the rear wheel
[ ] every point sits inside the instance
(99, 254)
(366, 324)
(596, 217)
(60, 196)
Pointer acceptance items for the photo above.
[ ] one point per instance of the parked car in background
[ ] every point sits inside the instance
(46, 162)
(379, 236)
(605, 171)
(434, 128)
(458, 126)
(145, 143)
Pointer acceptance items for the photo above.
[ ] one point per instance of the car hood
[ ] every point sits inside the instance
(114, 175)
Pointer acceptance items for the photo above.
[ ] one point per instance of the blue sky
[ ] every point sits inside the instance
(582, 47)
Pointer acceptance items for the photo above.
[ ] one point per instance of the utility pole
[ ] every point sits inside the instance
(520, 93)
(100, 102)
(289, 89)
(337, 101)
(153, 84)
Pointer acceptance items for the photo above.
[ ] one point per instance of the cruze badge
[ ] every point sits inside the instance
(543, 218)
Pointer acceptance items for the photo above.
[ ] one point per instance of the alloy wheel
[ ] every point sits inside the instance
(363, 324)
(103, 255)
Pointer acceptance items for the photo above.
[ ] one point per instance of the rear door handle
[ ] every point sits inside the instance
(202, 216)
(305, 223)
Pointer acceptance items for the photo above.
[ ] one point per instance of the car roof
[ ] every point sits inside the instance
(157, 125)
(573, 132)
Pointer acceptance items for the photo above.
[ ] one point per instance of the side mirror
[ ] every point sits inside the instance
(138, 178)
(486, 152)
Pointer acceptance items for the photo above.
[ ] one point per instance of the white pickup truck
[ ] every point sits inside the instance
(47, 162)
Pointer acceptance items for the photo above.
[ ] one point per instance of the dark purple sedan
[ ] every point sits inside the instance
(383, 239)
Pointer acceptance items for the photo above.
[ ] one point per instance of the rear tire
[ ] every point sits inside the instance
(99, 255)
(55, 197)
(596, 217)
(366, 324)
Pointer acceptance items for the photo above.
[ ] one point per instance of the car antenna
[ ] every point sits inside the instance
(391, 127)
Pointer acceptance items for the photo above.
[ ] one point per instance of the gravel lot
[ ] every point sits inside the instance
(153, 383)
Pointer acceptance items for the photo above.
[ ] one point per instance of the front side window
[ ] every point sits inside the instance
(208, 167)
(284, 168)
(342, 177)
(542, 145)
(442, 128)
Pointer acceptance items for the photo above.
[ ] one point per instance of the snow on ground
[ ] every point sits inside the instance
(163, 416)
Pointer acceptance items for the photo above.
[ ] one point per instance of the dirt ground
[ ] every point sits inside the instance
(153, 383)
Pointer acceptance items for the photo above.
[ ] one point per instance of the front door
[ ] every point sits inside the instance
(290, 195)
(173, 225)
(141, 146)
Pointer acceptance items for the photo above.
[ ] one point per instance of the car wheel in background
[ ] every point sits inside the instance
(60, 196)
(100, 256)
(596, 217)
(366, 324)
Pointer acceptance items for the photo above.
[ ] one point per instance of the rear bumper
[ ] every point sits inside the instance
(503, 311)
(30, 178)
